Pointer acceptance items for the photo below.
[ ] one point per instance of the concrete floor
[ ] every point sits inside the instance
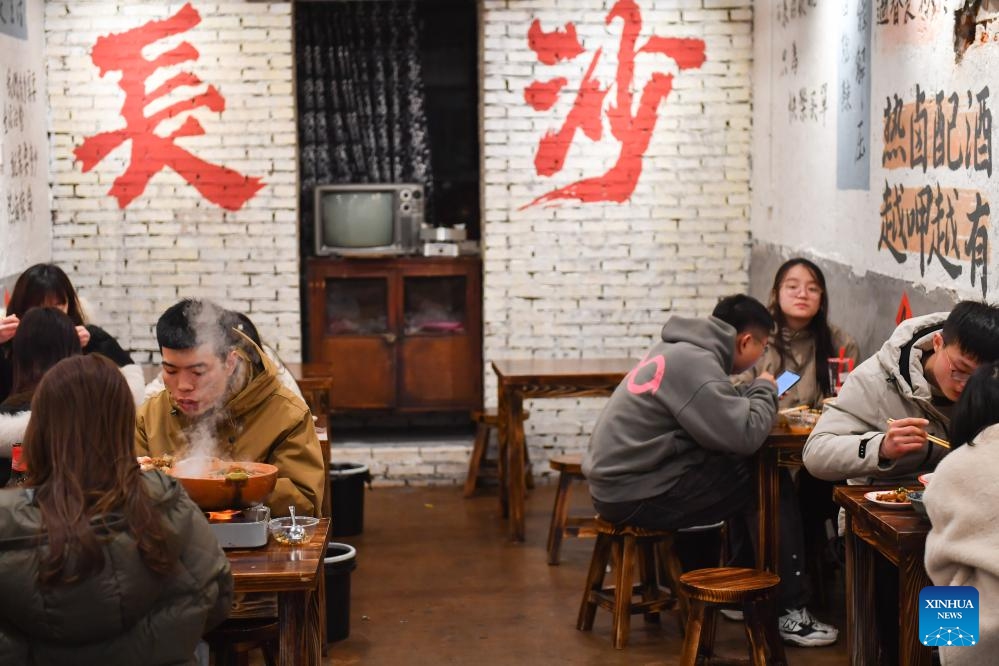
(439, 582)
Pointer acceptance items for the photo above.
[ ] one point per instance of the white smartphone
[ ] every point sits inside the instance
(786, 380)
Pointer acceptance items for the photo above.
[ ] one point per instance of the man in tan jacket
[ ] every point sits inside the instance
(223, 398)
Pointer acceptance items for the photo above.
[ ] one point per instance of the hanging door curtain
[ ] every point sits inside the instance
(361, 100)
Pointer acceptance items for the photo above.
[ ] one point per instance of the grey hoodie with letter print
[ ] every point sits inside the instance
(673, 411)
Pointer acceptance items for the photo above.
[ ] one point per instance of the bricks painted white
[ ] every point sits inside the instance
(578, 280)
(170, 242)
(599, 279)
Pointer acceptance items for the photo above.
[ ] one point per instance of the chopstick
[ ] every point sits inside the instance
(798, 408)
(936, 440)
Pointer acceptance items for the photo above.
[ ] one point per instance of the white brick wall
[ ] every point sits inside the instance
(599, 279)
(170, 242)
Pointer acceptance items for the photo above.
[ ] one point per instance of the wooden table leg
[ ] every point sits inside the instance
(861, 627)
(911, 579)
(768, 496)
(515, 464)
(298, 635)
(503, 445)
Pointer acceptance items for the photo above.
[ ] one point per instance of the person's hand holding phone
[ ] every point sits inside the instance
(785, 381)
(767, 376)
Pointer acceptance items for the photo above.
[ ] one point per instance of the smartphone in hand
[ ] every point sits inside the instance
(786, 380)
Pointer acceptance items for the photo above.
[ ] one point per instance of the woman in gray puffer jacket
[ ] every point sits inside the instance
(100, 563)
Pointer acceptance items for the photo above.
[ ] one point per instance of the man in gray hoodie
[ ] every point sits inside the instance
(673, 446)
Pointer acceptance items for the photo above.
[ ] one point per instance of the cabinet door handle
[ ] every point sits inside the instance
(389, 338)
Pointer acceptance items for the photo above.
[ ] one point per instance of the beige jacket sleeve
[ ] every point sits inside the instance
(302, 478)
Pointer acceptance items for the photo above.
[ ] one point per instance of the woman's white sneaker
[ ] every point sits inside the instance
(799, 627)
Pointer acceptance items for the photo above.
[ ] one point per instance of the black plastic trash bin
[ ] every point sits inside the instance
(347, 497)
(340, 560)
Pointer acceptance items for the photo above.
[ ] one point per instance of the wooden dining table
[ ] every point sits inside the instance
(519, 379)
(900, 536)
(295, 574)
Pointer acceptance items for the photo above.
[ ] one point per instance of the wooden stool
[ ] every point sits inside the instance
(628, 546)
(569, 468)
(478, 464)
(753, 591)
(233, 639)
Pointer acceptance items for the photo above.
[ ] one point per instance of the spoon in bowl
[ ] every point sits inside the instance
(296, 533)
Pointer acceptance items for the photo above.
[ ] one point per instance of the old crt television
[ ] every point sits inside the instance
(368, 219)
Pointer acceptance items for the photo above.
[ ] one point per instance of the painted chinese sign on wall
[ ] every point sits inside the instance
(630, 126)
(948, 225)
(149, 151)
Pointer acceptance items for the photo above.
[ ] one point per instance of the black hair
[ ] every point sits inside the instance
(978, 406)
(974, 326)
(45, 284)
(819, 325)
(744, 313)
(44, 337)
(191, 323)
(242, 323)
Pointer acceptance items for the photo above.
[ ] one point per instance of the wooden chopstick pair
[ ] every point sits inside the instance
(936, 440)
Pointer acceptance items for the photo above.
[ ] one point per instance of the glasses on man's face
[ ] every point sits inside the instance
(957, 375)
(792, 288)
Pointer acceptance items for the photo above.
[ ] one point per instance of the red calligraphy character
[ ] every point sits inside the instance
(150, 153)
(632, 129)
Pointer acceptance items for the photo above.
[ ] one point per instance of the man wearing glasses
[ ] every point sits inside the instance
(914, 379)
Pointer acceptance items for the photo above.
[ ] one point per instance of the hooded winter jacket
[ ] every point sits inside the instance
(124, 615)
(262, 422)
(891, 384)
(674, 410)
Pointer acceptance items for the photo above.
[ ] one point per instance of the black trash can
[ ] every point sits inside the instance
(347, 497)
(340, 560)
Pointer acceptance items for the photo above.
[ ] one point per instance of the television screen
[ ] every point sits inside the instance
(357, 219)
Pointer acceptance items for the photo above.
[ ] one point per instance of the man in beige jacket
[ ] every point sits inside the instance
(223, 398)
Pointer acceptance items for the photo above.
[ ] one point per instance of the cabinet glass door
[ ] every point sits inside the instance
(434, 305)
(356, 306)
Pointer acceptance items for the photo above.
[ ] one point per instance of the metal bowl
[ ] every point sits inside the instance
(216, 484)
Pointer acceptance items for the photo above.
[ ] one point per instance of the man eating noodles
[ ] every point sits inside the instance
(224, 399)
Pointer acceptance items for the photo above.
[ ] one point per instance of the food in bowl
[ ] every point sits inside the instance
(163, 463)
(216, 484)
(280, 529)
(897, 496)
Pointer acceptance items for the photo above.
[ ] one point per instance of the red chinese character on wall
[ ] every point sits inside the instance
(150, 153)
(632, 129)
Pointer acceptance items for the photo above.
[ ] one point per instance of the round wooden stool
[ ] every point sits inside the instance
(631, 546)
(751, 590)
(569, 468)
(480, 466)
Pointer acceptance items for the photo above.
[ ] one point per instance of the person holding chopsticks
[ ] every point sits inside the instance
(913, 382)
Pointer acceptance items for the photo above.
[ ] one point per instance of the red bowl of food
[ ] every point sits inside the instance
(216, 484)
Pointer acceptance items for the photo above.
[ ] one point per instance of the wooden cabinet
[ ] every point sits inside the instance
(403, 333)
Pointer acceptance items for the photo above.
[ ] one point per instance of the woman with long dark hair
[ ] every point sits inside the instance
(47, 285)
(47, 337)
(962, 500)
(99, 562)
(805, 339)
